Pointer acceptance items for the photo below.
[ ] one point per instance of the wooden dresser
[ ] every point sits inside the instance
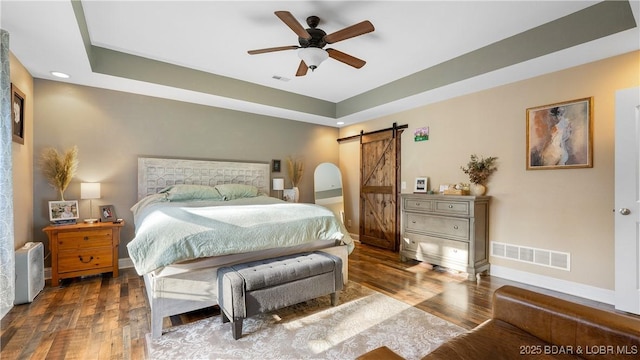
(447, 230)
(83, 249)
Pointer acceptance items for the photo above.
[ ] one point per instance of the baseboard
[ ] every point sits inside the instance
(125, 263)
(547, 282)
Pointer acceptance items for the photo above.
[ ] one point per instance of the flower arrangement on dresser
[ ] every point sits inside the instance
(479, 169)
(58, 168)
(295, 169)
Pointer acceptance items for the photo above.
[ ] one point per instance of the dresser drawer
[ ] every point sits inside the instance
(418, 204)
(84, 239)
(454, 228)
(452, 207)
(85, 259)
(437, 250)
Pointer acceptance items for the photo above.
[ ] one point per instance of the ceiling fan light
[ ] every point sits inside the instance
(312, 56)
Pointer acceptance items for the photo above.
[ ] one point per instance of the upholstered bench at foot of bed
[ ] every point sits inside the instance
(256, 287)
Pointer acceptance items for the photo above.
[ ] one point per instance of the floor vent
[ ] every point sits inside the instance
(542, 257)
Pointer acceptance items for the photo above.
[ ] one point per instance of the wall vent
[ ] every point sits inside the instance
(542, 257)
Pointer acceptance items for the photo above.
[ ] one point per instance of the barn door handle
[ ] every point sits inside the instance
(85, 262)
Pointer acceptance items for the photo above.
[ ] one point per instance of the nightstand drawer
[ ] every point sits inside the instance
(85, 259)
(455, 228)
(84, 239)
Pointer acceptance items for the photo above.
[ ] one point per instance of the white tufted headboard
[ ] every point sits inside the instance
(154, 174)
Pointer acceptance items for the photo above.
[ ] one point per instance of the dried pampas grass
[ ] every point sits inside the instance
(295, 169)
(58, 168)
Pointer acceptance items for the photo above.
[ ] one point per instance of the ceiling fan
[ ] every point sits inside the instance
(312, 41)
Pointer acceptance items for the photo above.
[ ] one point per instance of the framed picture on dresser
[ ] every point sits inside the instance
(421, 185)
(107, 213)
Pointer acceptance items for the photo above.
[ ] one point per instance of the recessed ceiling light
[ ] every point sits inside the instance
(340, 123)
(60, 74)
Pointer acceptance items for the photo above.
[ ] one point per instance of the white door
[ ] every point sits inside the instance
(627, 205)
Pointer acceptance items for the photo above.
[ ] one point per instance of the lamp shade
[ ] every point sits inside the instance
(312, 56)
(90, 190)
(278, 184)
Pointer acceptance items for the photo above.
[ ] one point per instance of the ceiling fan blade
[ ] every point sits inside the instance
(302, 69)
(346, 58)
(292, 23)
(349, 32)
(279, 48)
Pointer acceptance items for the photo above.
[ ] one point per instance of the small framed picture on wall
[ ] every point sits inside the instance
(275, 166)
(17, 114)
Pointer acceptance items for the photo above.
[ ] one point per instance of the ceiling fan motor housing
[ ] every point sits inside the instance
(317, 39)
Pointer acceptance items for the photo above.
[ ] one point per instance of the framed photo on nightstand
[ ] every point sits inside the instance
(63, 211)
(107, 213)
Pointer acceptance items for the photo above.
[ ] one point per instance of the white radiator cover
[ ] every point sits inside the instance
(29, 272)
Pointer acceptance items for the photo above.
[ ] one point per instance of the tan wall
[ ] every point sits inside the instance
(562, 210)
(111, 129)
(23, 160)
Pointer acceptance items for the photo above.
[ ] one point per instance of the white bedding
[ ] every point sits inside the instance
(168, 232)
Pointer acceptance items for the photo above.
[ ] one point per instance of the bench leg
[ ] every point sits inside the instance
(335, 298)
(236, 326)
(236, 329)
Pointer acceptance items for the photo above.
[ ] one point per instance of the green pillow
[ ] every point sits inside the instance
(236, 191)
(191, 192)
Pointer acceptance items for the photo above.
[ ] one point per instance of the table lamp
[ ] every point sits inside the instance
(90, 191)
(278, 185)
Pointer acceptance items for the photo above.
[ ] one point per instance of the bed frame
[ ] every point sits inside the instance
(183, 287)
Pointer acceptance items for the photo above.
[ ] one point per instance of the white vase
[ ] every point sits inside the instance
(296, 194)
(478, 189)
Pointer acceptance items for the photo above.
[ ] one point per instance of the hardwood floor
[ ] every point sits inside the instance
(107, 318)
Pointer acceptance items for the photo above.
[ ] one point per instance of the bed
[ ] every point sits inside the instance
(186, 206)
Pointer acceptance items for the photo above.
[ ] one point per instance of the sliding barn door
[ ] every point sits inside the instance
(379, 194)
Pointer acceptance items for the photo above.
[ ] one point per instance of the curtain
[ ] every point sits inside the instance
(7, 255)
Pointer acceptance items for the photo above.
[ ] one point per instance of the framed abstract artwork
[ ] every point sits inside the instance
(560, 136)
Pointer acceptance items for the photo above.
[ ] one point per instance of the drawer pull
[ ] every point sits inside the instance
(86, 238)
(85, 262)
(417, 204)
(413, 221)
(455, 227)
(450, 206)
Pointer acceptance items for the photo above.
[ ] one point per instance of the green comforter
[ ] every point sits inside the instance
(170, 232)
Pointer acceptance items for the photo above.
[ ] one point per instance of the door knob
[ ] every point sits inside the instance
(625, 211)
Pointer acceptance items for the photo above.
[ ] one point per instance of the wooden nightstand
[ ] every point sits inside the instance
(83, 249)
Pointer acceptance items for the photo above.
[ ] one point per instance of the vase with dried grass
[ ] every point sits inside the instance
(295, 169)
(58, 168)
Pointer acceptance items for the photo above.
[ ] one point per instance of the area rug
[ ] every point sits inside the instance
(363, 321)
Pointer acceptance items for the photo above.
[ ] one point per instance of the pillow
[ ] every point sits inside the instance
(236, 191)
(191, 192)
